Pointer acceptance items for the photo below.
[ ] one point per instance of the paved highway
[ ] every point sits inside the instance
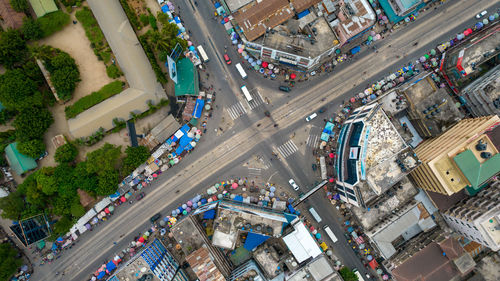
(216, 156)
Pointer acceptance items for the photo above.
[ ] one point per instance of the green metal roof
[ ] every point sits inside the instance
(43, 7)
(475, 172)
(187, 80)
(18, 162)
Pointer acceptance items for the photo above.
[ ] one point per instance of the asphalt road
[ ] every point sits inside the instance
(216, 157)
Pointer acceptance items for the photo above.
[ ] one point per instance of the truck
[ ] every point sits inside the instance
(315, 215)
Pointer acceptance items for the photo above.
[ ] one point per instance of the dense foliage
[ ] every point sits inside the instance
(135, 157)
(87, 102)
(33, 148)
(53, 22)
(17, 91)
(32, 122)
(160, 76)
(12, 48)
(9, 262)
(132, 17)
(64, 74)
(347, 274)
(31, 29)
(66, 153)
(19, 5)
(113, 71)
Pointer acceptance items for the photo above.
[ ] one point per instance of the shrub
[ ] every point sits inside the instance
(144, 19)
(113, 71)
(32, 148)
(87, 102)
(152, 22)
(66, 153)
(19, 5)
(105, 56)
(89, 23)
(31, 29)
(132, 17)
(160, 76)
(53, 22)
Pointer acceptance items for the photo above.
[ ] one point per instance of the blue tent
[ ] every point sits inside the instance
(291, 209)
(177, 20)
(203, 201)
(217, 4)
(253, 240)
(325, 136)
(110, 266)
(185, 128)
(302, 14)
(165, 9)
(198, 108)
(355, 50)
(209, 215)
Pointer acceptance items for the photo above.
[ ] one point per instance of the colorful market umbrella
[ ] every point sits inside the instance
(264, 64)
(107, 211)
(433, 52)
(234, 185)
(331, 155)
(123, 199)
(331, 180)
(293, 76)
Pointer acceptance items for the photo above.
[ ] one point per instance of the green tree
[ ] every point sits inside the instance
(33, 148)
(347, 274)
(64, 74)
(144, 19)
(8, 261)
(108, 183)
(77, 209)
(33, 72)
(104, 159)
(12, 206)
(84, 180)
(113, 71)
(31, 123)
(63, 225)
(19, 5)
(135, 157)
(45, 180)
(66, 153)
(12, 48)
(16, 89)
(31, 29)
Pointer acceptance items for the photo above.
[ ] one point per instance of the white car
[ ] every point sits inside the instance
(293, 184)
(482, 14)
(311, 117)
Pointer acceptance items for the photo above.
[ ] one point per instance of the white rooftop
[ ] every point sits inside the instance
(301, 243)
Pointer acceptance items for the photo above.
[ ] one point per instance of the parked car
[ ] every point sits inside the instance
(140, 196)
(314, 167)
(154, 218)
(482, 14)
(323, 109)
(293, 184)
(311, 117)
(42, 155)
(227, 59)
(285, 89)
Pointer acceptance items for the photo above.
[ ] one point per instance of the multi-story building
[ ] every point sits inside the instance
(478, 218)
(465, 156)
(482, 97)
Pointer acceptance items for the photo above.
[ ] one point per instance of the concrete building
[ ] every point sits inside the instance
(465, 156)
(318, 269)
(354, 18)
(478, 218)
(443, 261)
(301, 243)
(203, 265)
(482, 97)
(371, 156)
(395, 230)
(247, 271)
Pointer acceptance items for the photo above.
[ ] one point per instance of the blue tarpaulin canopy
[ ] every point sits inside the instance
(185, 128)
(165, 9)
(238, 198)
(355, 50)
(329, 127)
(101, 275)
(253, 240)
(302, 14)
(291, 209)
(185, 140)
(110, 266)
(209, 215)
(325, 136)
(198, 108)
(217, 4)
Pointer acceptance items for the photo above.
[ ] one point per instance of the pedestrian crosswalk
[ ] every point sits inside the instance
(287, 149)
(236, 110)
(254, 171)
(313, 140)
(256, 99)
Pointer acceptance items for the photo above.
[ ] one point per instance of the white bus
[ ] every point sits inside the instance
(246, 93)
(241, 71)
(202, 53)
(315, 215)
(330, 234)
(360, 278)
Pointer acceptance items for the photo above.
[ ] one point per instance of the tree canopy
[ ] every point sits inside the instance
(12, 205)
(135, 157)
(31, 29)
(104, 159)
(19, 5)
(12, 48)
(64, 74)
(66, 153)
(347, 274)
(33, 148)
(31, 123)
(17, 90)
(8, 261)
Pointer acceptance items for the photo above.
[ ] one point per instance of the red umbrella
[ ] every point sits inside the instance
(264, 64)
(141, 239)
(331, 155)
(353, 100)
(106, 210)
(292, 76)
(331, 180)
(123, 199)
(226, 19)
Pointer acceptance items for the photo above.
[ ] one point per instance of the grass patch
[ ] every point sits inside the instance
(89, 23)
(53, 22)
(87, 102)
